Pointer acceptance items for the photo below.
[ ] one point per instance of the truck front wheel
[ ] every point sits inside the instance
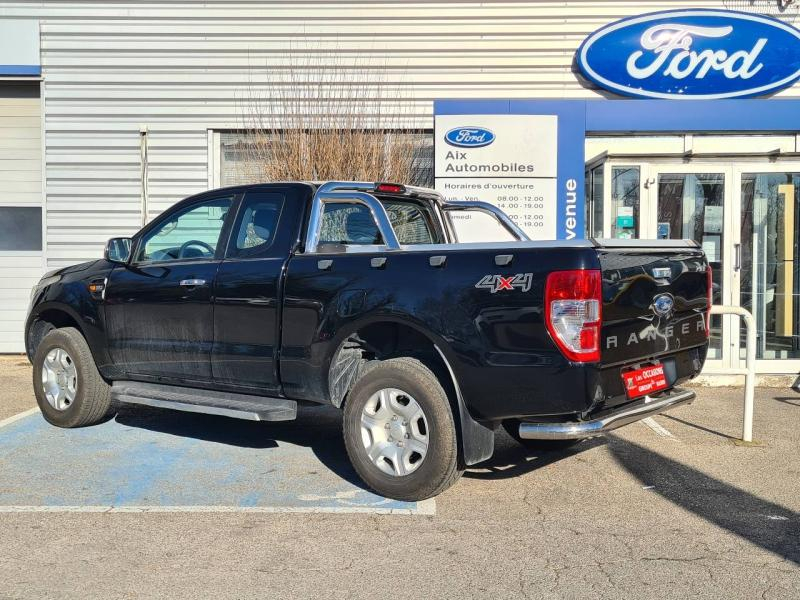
(399, 431)
(69, 389)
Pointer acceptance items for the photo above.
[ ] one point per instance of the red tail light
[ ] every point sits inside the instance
(391, 188)
(710, 298)
(573, 303)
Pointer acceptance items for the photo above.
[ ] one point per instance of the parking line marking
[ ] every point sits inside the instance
(19, 416)
(425, 507)
(658, 428)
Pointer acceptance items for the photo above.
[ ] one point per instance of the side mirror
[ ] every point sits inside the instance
(118, 250)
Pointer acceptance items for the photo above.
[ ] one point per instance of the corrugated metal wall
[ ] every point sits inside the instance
(181, 68)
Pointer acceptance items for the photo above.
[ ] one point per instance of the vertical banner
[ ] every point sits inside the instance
(510, 161)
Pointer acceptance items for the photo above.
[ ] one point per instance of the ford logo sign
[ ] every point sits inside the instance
(469, 137)
(663, 305)
(693, 54)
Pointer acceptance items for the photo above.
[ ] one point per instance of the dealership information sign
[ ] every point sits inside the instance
(508, 160)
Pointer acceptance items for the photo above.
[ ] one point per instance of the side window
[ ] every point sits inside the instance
(344, 223)
(256, 225)
(190, 234)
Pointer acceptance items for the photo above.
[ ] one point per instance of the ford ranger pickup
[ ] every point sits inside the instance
(249, 301)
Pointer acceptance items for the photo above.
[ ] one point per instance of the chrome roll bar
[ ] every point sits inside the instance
(353, 193)
(490, 209)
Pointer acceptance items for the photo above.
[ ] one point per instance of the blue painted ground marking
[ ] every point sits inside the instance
(151, 459)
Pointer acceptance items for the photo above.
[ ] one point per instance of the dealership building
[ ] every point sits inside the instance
(596, 119)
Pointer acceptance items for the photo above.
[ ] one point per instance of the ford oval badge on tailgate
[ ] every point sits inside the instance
(663, 305)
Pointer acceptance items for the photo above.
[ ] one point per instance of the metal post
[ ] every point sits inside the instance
(750, 365)
(144, 166)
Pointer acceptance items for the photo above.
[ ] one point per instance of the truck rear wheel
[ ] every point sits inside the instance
(512, 428)
(399, 431)
(69, 389)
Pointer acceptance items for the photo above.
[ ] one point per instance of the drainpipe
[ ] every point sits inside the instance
(143, 172)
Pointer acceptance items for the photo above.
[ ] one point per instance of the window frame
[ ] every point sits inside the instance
(422, 138)
(186, 206)
(42, 239)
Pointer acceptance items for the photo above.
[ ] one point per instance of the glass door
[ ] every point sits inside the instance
(745, 213)
(690, 201)
(767, 257)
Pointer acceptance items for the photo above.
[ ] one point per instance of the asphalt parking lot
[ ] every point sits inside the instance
(160, 505)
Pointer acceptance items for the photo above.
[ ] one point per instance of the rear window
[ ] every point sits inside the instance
(353, 224)
(410, 222)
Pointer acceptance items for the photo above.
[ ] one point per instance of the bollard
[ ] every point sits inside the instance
(750, 365)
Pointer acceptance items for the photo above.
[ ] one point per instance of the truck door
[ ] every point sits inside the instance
(158, 308)
(248, 290)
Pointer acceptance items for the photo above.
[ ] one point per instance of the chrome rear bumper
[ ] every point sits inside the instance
(635, 411)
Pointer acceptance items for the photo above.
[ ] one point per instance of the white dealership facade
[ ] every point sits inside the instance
(112, 111)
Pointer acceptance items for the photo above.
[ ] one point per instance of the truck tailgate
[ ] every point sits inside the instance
(654, 299)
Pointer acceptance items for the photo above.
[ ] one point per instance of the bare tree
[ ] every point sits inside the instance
(324, 115)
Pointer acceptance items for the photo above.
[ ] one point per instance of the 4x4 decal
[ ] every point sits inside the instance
(498, 283)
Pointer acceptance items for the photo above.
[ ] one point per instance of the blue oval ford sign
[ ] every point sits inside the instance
(699, 54)
(469, 137)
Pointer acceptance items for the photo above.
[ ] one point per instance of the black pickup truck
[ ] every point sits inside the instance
(248, 301)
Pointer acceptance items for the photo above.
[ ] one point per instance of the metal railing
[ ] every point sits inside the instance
(750, 365)
(350, 192)
(491, 210)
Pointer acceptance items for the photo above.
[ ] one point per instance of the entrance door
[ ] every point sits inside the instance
(767, 257)
(633, 199)
(689, 201)
(746, 215)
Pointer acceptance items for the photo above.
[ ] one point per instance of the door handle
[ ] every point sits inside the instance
(737, 257)
(192, 282)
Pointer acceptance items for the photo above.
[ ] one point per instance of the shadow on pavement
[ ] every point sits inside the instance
(319, 429)
(700, 427)
(512, 460)
(790, 400)
(761, 522)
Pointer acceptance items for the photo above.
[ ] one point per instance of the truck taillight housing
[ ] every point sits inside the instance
(710, 299)
(572, 305)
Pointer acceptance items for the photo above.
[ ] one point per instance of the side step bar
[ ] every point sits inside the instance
(635, 411)
(238, 406)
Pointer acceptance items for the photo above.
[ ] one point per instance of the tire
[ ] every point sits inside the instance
(84, 398)
(397, 388)
(512, 428)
